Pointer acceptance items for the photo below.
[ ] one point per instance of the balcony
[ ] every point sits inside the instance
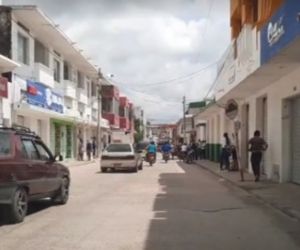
(124, 123)
(113, 119)
(110, 91)
(70, 89)
(124, 103)
(82, 96)
(44, 75)
(72, 113)
(241, 59)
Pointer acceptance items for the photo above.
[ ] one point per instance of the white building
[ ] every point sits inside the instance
(6, 66)
(260, 72)
(55, 90)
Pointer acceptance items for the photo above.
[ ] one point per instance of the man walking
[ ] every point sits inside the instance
(257, 145)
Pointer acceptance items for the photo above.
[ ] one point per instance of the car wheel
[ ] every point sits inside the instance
(135, 169)
(63, 193)
(103, 170)
(18, 209)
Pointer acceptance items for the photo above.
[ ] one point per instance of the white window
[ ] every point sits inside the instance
(56, 68)
(23, 49)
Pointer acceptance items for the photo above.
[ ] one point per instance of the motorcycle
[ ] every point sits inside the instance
(151, 158)
(166, 157)
(189, 156)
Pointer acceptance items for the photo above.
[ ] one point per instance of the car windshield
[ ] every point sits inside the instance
(118, 148)
(5, 145)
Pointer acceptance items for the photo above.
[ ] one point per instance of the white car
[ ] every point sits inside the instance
(121, 156)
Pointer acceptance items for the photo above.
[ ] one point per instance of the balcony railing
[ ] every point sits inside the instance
(70, 89)
(82, 96)
(240, 60)
(44, 75)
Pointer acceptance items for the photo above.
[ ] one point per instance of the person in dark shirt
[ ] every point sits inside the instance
(257, 145)
(89, 149)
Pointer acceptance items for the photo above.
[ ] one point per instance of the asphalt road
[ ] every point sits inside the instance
(169, 206)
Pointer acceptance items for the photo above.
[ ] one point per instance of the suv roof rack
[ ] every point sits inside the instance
(20, 129)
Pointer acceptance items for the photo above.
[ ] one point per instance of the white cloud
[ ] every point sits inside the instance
(142, 42)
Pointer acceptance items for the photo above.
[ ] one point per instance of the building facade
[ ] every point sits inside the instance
(259, 73)
(54, 90)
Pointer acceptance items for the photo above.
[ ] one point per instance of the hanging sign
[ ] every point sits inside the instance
(231, 109)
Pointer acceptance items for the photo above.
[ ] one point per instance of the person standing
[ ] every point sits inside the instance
(94, 147)
(257, 145)
(80, 149)
(89, 149)
(183, 151)
(195, 149)
(225, 152)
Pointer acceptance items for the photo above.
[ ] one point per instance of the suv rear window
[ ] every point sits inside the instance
(118, 148)
(5, 144)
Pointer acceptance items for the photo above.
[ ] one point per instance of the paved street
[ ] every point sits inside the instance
(170, 206)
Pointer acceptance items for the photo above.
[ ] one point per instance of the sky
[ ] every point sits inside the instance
(156, 52)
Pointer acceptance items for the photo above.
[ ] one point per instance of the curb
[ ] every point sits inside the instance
(270, 204)
(79, 164)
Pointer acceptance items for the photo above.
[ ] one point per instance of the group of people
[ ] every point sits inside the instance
(256, 145)
(193, 150)
(90, 148)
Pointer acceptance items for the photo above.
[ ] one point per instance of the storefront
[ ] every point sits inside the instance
(35, 108)
(63, 136)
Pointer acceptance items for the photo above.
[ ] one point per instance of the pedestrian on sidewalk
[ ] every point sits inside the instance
(195, 149)
(94, 146)
(80, 149)
(225, 152)
(89, 149)
(257, 145)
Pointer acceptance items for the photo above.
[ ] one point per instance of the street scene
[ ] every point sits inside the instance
(167, 206)
(149, 125)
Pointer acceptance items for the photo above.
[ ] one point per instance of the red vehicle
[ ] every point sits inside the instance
(28, 171)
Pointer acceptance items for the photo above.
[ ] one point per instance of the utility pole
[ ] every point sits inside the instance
(99, 99)
(184, 120)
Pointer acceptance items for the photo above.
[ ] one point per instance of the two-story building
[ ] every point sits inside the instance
(257, 87)
(54, 89)
(6, 66)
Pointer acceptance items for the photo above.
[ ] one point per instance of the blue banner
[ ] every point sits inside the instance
(39, 95)
(282, 29)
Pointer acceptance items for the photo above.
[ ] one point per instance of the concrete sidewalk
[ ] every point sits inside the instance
(283, 197)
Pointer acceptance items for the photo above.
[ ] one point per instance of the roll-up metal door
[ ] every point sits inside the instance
(295, 139)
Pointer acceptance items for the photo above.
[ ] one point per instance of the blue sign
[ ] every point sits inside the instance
(42, 96)
(281, 30)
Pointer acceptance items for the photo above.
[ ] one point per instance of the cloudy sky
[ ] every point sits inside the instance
(145, 44)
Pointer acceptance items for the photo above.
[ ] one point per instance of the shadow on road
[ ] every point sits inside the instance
(174, 225)
(34, 207)
(189, 203)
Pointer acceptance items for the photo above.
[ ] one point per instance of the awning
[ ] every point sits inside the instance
(7, 65)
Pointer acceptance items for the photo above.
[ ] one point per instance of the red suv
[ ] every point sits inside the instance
(28, 171)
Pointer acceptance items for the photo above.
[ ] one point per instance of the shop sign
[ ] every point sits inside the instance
(231, 109)
(282, 29)
(39, 95)
(3, 87)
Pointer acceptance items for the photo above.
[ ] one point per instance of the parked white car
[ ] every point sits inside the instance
(121, 156)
